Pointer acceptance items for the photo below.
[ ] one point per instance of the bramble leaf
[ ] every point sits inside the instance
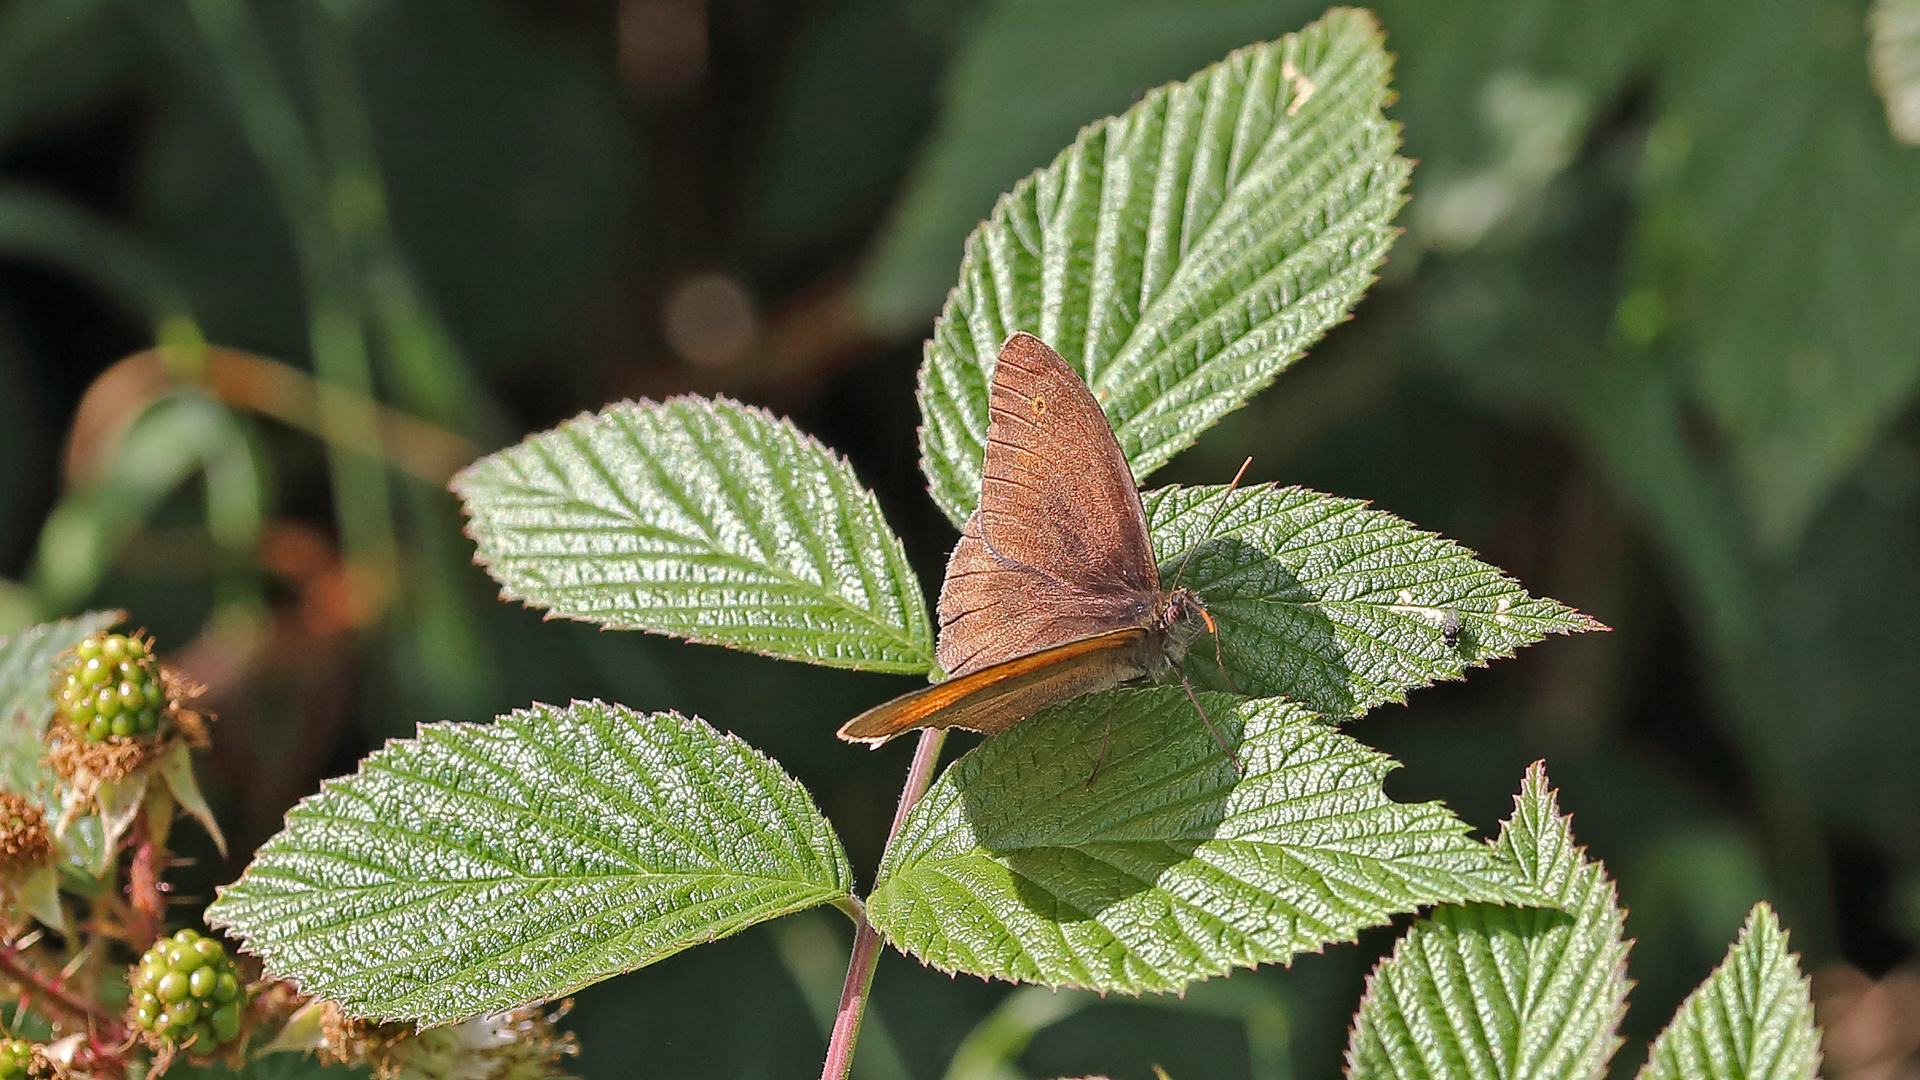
(1333, 604)
(1169, 866)
(1479, 991)
(480, 867)
(1751, 1020)
(1181, 254)
(1022, 79)
(707, 520)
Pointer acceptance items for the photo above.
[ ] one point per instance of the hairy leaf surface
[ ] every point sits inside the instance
(707, 520)
(1751, 1020)
(1169, 866)
(1478, 991)
(1179, 255)
(480, 867)
(1024, 79)
(1335, 605)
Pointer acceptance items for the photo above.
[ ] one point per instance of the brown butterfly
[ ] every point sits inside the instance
(1053, 591)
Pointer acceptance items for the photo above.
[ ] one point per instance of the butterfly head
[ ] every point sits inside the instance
(1183, 617)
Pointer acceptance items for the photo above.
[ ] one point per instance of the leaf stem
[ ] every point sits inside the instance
(105, 1028)
(866, 940)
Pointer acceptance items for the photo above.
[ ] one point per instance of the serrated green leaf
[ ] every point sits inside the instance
(1182, 254)
(1169, 866)
(1484, 992)
(1335, 605)
(481, 867)
(1026, 76)
(1751, 1020)
(707, 520)
(27, 663)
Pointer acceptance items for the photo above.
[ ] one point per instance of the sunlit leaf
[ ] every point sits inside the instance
(1478, 991)
(1025, 78)
(1751, 1020)
(1336, 605)
(480, 867)
(1169, 866)
(1182, 254)
(707, 520)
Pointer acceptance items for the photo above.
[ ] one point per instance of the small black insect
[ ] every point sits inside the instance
(1450, 627)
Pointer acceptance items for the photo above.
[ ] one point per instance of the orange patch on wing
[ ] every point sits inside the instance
(884, 721)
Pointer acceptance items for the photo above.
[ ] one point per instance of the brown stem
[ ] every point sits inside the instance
(106, 1028)
(145, 891)
(866, 940)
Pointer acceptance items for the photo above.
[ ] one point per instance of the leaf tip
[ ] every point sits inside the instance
(1583, 623)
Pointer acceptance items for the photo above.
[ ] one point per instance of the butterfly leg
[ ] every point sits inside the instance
(1222, 657)
(1104, 736)
(1219, 650)
(1205, 719)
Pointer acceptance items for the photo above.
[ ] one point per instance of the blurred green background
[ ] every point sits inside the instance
(1650, 342)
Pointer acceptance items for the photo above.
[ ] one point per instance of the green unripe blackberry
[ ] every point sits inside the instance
(16, 1056)
(185, 989)
(113, 689)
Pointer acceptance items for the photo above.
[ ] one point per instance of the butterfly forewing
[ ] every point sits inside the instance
(1058, 550)
(995, 698)
(1057, 492)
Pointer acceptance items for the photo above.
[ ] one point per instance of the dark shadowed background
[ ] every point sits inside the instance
(1650, 342)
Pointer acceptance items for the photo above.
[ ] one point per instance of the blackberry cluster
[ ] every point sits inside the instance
(113, 689)
(16, 1056)
(185, 989)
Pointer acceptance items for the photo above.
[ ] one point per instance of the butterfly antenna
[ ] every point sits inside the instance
(1207, 720)
(1211, 525)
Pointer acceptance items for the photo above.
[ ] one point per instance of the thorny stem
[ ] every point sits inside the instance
(105, 1028)
(866, 940)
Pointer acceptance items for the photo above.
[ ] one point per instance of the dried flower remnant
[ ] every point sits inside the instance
(24, 842)
(520, 1044)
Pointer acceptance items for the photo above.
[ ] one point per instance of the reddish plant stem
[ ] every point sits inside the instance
(106, 1028)
(866, 940)
(146, 893)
